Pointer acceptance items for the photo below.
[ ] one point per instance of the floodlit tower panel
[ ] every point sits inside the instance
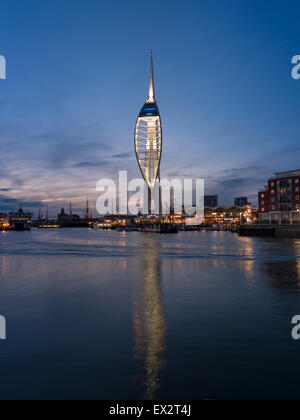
(148, 138)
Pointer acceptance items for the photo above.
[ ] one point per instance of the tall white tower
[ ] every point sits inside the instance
(148, 142)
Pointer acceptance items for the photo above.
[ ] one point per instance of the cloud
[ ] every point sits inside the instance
(247, 169)
(122, 156)
(233, 183)
(241, 181)
(10, 204)
(4, 200)
(98, 163)
(91, 164)
(32, 204)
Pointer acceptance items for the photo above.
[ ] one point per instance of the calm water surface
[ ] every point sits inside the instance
(108, 315)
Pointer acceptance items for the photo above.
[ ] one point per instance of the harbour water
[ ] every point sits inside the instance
(115, 315)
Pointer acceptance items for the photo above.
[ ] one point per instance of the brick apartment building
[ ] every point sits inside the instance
(279, 202)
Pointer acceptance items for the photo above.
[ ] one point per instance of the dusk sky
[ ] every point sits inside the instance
(77, 76)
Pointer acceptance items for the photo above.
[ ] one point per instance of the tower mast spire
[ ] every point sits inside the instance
(87, 214)
(151, 98)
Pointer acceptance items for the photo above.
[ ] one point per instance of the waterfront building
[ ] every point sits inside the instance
(211, 201)
(241, 201)
(279, 201)
(68, 220)
(116, 222)
(41, 217)
(63, 217)
(148, 143)
(233, 215)
(4, 224)
(3, 217)
(20, 220)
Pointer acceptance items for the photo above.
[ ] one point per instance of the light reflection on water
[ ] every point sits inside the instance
(130, 315)
(285, 275)
(149, 319)
(4, 266)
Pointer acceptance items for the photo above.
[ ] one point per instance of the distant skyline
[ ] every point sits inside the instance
(78, 71)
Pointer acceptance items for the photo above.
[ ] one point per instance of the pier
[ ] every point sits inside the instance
(158, 228)
(270, 231)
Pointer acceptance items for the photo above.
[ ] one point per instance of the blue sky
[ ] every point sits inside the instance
(77, 76)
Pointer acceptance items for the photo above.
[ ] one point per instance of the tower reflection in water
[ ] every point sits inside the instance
(149, 319)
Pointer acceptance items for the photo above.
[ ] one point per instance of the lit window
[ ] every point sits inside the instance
(272, 192)
(263, 210)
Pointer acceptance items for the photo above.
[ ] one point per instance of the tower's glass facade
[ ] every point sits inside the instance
(148, 138)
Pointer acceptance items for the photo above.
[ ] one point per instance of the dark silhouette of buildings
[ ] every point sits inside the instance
(241, 202)
(20, 220)
(211, 201)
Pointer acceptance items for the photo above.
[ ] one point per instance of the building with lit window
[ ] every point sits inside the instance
(230, 215)
(3, 221)
(279, 202)
(20, 220)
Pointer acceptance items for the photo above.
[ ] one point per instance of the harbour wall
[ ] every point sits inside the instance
(270, 231)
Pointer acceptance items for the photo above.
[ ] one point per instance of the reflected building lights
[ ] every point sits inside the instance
(149, 321)
(285, 273)
(5, 266)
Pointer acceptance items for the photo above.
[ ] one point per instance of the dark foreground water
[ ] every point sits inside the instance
(110, 315)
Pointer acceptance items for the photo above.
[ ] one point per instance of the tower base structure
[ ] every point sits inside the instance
(154, 200)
